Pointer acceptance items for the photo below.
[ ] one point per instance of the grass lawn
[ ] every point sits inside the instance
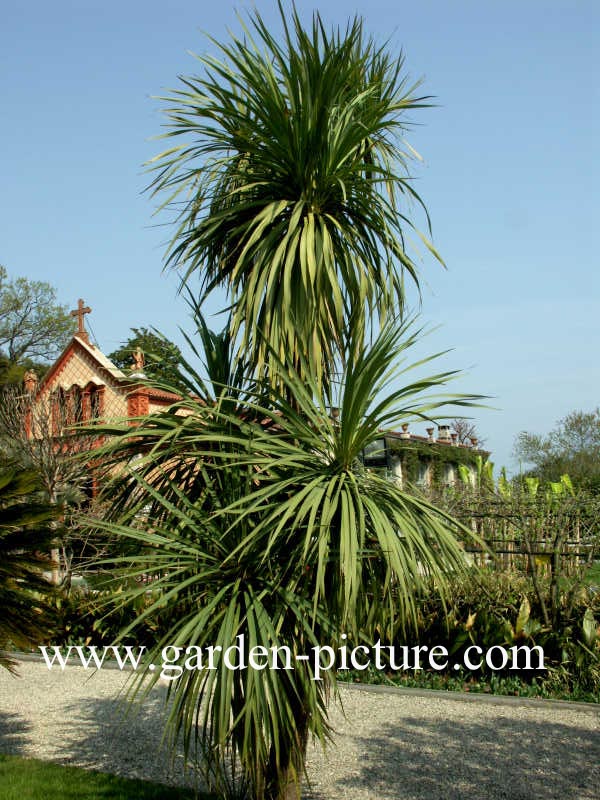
(30, 779)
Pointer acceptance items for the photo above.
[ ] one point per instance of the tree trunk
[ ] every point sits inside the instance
(291, 788)
(286, 782)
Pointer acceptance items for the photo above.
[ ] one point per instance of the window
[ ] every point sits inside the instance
(449, 474)
(96, 402)
(423, 473)
(74, 406)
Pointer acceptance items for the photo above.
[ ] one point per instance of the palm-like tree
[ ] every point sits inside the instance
(27, 531)
(292, 187)
(263, 522)
(249, 498)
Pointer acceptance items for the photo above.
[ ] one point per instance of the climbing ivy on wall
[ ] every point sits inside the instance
(436, 456)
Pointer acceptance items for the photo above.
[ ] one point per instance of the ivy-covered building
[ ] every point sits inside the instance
(426, 461)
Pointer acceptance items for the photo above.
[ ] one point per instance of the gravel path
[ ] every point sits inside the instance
(389, 745)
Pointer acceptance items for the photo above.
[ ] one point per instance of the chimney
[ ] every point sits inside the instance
(443, 433)
(430, 433)
(30, 381)
(405, 434)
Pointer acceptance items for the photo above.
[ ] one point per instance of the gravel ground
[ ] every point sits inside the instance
(388, 745)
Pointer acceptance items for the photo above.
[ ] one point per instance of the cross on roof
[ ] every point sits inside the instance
(79, 312)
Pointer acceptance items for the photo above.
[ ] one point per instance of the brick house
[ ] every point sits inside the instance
(83, 384)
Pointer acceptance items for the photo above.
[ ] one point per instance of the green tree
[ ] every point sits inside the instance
(27, 530)
(572, 448)
(291, 188)
(34, 328)
(250, 502)
(265, 524)
(12, 373)
(162, 357)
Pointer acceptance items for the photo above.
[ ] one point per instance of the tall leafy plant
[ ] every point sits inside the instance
(249, 500)
(291, 187)
(263, 522)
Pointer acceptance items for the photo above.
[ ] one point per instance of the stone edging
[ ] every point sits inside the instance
(473, 697)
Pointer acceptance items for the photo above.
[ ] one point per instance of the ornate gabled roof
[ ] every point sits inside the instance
(92, 355)
(98, 363)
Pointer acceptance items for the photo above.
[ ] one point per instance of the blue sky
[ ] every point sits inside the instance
(510, 176)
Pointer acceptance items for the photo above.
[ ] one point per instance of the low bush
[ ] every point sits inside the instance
(83, 618)
(489, 608)
(486, 608)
